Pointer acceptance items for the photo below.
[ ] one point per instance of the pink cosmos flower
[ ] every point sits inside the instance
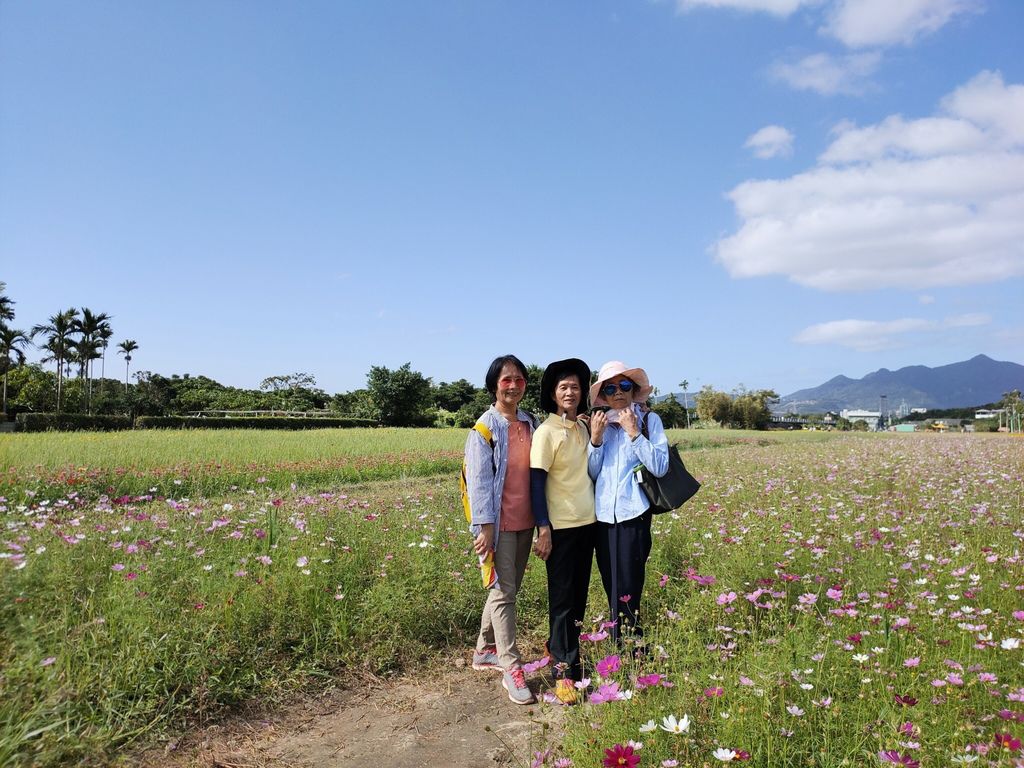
(912, 662)
(609, 665)
(649, 681)
(531, 667)
(725, 598)
(663, 580)
(714, 693)
(606, 693)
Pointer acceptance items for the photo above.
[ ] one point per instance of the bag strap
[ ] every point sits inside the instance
(485, 433)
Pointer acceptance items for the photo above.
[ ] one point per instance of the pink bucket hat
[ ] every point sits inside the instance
(614, 368)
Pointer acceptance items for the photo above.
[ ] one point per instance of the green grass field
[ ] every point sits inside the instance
(825, 600)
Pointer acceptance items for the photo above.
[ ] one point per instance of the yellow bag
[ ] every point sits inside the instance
(488, 576)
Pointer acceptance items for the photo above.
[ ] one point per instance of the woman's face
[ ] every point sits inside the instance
(567, 395)
(511, 386)
(619, 400)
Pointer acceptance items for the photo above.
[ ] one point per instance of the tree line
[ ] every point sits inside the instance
(75, 339)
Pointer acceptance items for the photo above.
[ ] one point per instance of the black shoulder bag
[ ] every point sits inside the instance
(673, 489)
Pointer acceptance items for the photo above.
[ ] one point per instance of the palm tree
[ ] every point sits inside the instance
(104, 334)
(686, 405)
(58, 332)
(12, 342)
(91, 325)
(6, 305)
(126, 348)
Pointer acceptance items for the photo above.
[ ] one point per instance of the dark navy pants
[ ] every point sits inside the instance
(622, 552)
(568, 566)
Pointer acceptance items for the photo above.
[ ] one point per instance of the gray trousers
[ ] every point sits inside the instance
(498, 621)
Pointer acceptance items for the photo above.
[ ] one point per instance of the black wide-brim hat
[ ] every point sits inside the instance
(557, 371)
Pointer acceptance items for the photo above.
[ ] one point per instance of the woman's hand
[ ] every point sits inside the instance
(598, 421)
(542, 544)
(484, 540)
(629, 423)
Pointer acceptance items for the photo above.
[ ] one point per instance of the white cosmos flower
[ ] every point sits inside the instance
(672, 725)
(1010, 644)
(725, 755)
(648, 727)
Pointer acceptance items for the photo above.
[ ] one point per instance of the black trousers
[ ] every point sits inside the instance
(622, 552)
(568, 566)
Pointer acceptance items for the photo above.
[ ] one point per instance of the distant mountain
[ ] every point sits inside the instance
(972, 382)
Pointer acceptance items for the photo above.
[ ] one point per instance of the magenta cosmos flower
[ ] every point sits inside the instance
(620, 756)
(894, 757)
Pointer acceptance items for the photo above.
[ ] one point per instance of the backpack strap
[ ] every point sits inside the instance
(485, 433)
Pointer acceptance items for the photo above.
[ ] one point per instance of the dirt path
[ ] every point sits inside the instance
(404, 723)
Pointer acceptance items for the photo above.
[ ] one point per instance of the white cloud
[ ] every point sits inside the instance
(828, 75)
(971, 320)
(873, 335)
(988, 102)
(862, 335)
(925, 299)
(771, 141)
(895, 137)
(904, 203)
(776, 7)
(867, 23)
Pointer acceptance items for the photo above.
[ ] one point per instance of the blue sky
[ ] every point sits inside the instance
(757, 192)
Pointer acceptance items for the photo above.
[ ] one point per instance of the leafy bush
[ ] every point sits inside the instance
(249, 422)
(70, 422)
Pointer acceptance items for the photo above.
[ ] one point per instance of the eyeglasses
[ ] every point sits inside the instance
(610, 389)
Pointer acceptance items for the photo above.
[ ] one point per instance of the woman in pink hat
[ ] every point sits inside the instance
(618, 447)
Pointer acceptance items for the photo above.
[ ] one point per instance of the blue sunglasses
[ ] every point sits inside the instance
(610, 389)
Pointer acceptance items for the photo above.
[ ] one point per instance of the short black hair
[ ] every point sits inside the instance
(491, 380)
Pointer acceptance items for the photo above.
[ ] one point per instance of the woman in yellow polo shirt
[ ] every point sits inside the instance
(561, 487)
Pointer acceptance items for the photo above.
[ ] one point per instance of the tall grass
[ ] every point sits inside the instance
(198, 462)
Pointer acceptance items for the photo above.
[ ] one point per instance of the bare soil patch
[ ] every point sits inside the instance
(430, 719)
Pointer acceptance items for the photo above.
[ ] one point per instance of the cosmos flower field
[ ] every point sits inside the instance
(825, 600)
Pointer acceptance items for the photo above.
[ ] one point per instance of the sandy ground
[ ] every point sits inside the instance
(458, 718)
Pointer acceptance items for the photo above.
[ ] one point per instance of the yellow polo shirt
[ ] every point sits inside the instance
(561, 450)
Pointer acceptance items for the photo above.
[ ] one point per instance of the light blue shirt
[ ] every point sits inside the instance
(485, 468)
(615, 468)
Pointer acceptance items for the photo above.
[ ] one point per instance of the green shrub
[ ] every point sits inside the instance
(248, 422)
(70, 422)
